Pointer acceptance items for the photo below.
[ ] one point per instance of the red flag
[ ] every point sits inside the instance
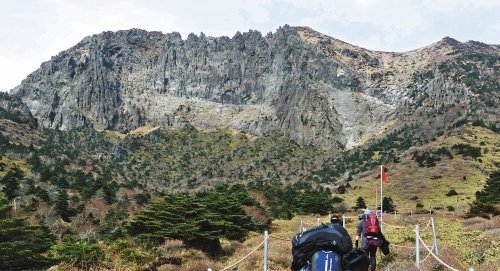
(385, 178)
(375, 189)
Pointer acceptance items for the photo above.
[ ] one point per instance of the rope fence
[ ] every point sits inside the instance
(246, 256)
(418, 240)
(410, 247)
(427, 223)
(436, 257)
(396, 227)
(280, 238)
(427, 257)
(394, 245)
(255, 249)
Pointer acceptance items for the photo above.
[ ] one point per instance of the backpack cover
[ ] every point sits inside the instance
(326, 261)
(371, 228)
(372, 231)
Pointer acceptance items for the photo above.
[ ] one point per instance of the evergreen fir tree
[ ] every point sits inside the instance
(111, 224)
(341, 189)
(199, 221)
(388, 205)
(22, 246)
(314, 202)
(488, 199)
(490, 192)
(11, 183)
(228, 206)
(62, 206)
(109, 194)
(360, 203)
(177, 217)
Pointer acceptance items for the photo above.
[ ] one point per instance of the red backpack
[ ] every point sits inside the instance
(371, 228)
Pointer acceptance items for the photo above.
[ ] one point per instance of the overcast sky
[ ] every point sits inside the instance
(31, 31)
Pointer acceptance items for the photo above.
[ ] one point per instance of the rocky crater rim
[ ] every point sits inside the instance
(305, 33)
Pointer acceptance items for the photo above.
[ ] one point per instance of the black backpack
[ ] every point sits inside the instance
(331, 237)
(355, 260)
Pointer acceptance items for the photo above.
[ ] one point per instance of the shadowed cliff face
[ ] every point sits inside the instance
(317, 90)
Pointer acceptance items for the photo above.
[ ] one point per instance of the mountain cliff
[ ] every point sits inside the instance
(315, 89)
(106, 132)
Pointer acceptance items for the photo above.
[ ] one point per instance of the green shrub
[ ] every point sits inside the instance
(467, 150)
(341, 189)
(85, 254)
(126, 251)
(452, 192)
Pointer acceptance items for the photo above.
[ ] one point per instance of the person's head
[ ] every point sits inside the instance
(335, 218)
(368, 211)
(361, 215)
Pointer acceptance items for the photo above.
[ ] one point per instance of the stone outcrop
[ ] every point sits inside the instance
(317, 90)
(14, 109)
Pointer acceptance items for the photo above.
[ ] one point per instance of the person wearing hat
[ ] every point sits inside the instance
(361, 215)
(335, 219)
(336, 223)
(371, 251)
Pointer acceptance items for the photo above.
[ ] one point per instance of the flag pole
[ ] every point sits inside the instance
(376, 197)
(381, 197)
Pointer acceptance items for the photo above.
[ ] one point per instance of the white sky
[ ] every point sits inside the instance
(31, 31)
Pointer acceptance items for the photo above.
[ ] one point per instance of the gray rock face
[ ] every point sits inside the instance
(317, 90)
(14, 109)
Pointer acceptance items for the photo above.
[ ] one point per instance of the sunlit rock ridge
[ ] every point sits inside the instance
(317, 90)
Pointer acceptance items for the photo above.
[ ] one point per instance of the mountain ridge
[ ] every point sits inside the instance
(316, 89)
(289, 124)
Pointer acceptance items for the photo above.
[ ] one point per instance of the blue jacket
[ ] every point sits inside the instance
(361, 233)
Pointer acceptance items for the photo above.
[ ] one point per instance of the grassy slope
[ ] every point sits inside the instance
(430, 184)
(266, 155)
(19, 134)
(190, 158)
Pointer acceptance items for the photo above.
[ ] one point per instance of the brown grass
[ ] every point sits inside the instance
(483, 224)
(174, 255)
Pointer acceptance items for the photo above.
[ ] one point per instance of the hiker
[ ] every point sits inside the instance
(337, 224)
(322, 247)
(335, 219)
(379, 212)
(361, 215)
(371, 237)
